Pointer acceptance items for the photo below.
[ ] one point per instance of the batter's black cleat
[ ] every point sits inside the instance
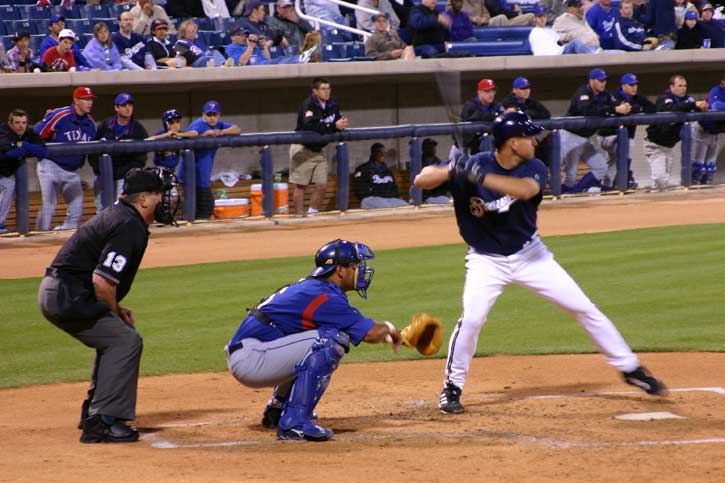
(644, 380)
(98, 430)
(450, 402)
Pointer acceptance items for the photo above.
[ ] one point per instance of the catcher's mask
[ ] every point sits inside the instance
(341, 252)
(160, 180)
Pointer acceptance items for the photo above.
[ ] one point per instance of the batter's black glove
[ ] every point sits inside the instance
(474, 171)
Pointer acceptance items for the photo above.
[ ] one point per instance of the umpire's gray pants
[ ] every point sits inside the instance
(98, 192)
(370, 202)
(7, 190)
(52, 179)
(575, 148)
(114, 379)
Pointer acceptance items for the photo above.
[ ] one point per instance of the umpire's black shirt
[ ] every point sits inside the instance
(111, 244)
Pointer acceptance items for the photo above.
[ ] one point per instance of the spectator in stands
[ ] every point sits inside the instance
(661, 138)
(194, 55)
(601, 18)
(60, 58)
(661, 20)
(21, 57)
(322, 9)
(681, 9)
(640, 11)
(69, 124)
(121, 126)
(386, 44)
(162, 50)
(144, 13)
(571, 24)
(100, 52)
(515, 14)
(545, 41)
(184, 8)
(705, 136)
(365, 21)
(17, 142)
(215, 9)
(629, 34)
(554, 9)
(689, 36)
(625, 93)
(402, 10)
(429, 29)
(245, 48)
(56, 24)
(711, 29)
(481, 108)
(591, 99)
(319, 113)
(461, 27)
(313, 45)
(209, 124)
(374, 183)
(171, 121)
(4, 63)
(135, 54)
(253, 21)
(286, 20)
(439, 195)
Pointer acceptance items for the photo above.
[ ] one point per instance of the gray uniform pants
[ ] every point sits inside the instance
(7, 189)
(705, 145)
(52, 179)
(575, 148)
(114, 380)
(370, 202)
(660, 160)
(609, 146)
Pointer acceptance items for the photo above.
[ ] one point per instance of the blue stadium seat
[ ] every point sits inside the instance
(117, 10)
(205, 24)
(202, 40)
(8, 12)
(491, 48)
(356, 50)
(3, 30)
(333, 53)
(80, 26)
(37, 13)
(68, 12)
(223, 24)
(96, 11)
(441, 6)
(35, 41)
(276, 52)
(331, 35)
(25, 2)
(502, 33)
(13, 26)
(342, 49)
(7, 41)
(83, 40)
(216, 39)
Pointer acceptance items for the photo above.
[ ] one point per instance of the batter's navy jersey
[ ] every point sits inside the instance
(493, 223)
(305, 305)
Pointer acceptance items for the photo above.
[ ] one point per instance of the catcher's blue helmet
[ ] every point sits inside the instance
(170, 115)
(513, 124)
(342, 252)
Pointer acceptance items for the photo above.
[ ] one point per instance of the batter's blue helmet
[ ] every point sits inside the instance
(513, 124)
(168, 116)
(342, 252)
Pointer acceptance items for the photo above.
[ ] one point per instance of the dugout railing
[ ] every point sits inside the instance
(413, 131)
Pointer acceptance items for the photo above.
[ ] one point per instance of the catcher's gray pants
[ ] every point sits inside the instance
(52, 179)
(98, 193)
(705, 145)
(7, 189)
(609, 146)
(575, 148)
(379, 202)
(660, 163)
(114, 380)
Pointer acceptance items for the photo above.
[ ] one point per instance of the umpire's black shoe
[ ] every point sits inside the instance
(644, 380)
(96, 430)
(450, 402)
(84, 412)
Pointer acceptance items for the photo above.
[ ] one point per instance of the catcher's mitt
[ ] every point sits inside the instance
(424, 333)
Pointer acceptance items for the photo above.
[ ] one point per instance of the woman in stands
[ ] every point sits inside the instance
(101, 53)
(188, 47)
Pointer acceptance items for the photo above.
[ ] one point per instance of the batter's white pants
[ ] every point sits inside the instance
(7, 190)
(575, 148)
(532, 267)
(660, 163)
(52, 179)
(705, 145)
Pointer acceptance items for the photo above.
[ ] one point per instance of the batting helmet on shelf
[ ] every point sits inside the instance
(170, 115)
(513, 124)
(345, 253)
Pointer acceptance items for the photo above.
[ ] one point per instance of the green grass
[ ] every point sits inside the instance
(660, 286)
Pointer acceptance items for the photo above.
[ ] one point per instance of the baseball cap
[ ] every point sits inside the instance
(238, 29)
(486, 85)
(284, 3)
(540, 11)
(83, 93)
(707, 6)
(139, 180)
(691, 15)
(573, 3)
(21, 34)
(249, 6)
(55, 19)
(379, 14)
(629, 79)
(430, 142)
(521, 83)
(598, 74)
(212, 106)
(159, 24)
(66, 34)
(123, 98)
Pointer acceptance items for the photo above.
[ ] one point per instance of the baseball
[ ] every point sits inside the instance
(36, 70)
(71, 69)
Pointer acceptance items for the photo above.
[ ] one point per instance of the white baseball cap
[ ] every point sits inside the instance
(66, 34)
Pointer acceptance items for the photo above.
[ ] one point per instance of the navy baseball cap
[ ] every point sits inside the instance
(55, 19)
(691, 15)
(598, 74)
(249, 6)
(237, 29)
(629, 79)
(521, 83)
(123, 98)
(212, 106)
(379, 14)
(540, 11)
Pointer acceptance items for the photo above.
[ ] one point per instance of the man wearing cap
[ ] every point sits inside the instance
(56, 24)
(374, 183)
(705, 138)
(162, 50)
(497, 8)
(625, 93)
(545, 41)
(690, 36)
(286, 20)
(365, 21)
(21, 57)
(591, 99)
(572, 25)
(461, 26)
(253, 21)
(429, 29)
(122, 126)
(385, 43)
(144, 13)
(629, 34)
(601, 17)
(82, 291)
(712, 30)
(520, 100)
(60, 58)
(70, 124)
(481, 108)
(440, 195)
(662, 138)
(209, 124)
(135, 54)
(245, 48)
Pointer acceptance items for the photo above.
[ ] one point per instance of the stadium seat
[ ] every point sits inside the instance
(501, 33)
(7, 41)
(8, 12)
(68, 12)
(96, 11)
(491, 49)
(341, 49)
(333, 53)
(331, 35)
(35, 41)
(3, 30)
(13, 26)
(80, 26)
(441, 6)
(37, 13)
(205, 24)
(222, 24)
(83, 40)
(216, 39)
(202, 39)
(276, 52)
(117, 9)
(356, 50)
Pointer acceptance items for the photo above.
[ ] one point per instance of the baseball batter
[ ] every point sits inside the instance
(496, 197)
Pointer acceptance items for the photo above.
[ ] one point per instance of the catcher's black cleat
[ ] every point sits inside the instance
(305, 432)
(96, 430)
(644, 380)
(450, 402)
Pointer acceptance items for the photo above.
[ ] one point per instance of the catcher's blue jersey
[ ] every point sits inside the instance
(305, 305)
(493, 223)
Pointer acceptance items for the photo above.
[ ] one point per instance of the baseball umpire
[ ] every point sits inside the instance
(83, 288)
(295, 338)
(496, 196)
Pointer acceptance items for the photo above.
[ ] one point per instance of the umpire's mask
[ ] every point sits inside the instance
(159, 180)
